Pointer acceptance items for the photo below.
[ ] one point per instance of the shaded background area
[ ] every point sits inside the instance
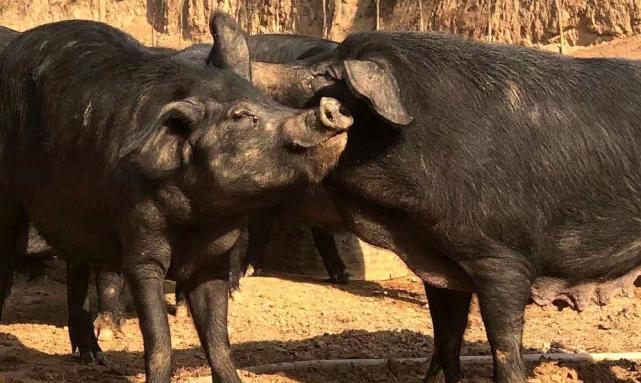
(291, 253)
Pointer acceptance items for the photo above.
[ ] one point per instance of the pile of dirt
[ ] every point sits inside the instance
(179, 22)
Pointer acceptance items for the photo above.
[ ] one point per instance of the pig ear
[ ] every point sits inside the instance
(369, 80)
(168, 148)
(230, 50)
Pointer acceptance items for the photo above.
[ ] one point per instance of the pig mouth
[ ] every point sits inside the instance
(337, 138)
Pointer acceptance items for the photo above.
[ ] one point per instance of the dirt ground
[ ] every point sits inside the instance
(274, 320)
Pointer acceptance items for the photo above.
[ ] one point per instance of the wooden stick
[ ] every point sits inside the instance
(50, 11)
(489, 20)
(559, 11)
(378, 15)
(278, 17)
(421, 25)
(181, 25)
(324, 5)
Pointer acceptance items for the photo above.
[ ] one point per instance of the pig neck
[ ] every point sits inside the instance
(276, 80)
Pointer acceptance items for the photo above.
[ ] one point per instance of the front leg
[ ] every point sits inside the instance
(182, 307)
(208, 293)
(145, 279)
(502, 281)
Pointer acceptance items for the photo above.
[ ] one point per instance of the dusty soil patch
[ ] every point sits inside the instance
(274, 320)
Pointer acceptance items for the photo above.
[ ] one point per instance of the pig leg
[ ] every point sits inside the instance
(208, 294)
(326, 246)
(502, 282)
(145, 279)
(81, 332)
(449, 310)
(235, 270)
(259, 230)
(182, 307)
(14, 230)
(111, 318)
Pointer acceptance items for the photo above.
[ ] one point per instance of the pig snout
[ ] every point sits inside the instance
(333, 115)
(314, 127)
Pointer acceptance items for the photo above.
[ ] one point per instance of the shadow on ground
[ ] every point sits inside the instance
(367, 289)
(20, 363)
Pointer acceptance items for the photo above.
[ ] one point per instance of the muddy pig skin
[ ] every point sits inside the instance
(124, 157)
(495, 169)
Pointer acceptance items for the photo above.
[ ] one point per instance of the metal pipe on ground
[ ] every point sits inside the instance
(465, 360)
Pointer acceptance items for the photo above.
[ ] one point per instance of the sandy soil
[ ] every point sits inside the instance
(274, 320)
(626, 48)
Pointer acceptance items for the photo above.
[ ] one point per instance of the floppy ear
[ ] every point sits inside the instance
(230, 50)
(168, 147)
(379, 87)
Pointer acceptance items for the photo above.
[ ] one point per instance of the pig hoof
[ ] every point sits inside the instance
(341, 278)
(106, 327)
(102, 359)
(438, 378)
(86, 357)
(233, 292)
(250, 271)
(89, 357)
(182, 311)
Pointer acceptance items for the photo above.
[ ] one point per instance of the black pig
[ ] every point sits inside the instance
(493, 169)
(124, 157)
(279, 48)
(271, 48)
(6, 36)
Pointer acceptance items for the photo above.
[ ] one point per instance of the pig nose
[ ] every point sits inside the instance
(333, 115)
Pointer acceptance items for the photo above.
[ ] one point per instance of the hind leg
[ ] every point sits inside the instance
(449, 310)
(259, 231)
(326, 246)
(14, 231)
(111, 318)
(81, 331)
(182, 307)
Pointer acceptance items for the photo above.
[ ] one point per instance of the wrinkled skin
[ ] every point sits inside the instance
(499, 170)
(123, 157)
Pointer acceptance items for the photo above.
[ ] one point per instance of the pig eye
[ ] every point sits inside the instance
(329, 75)
(240, 114)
